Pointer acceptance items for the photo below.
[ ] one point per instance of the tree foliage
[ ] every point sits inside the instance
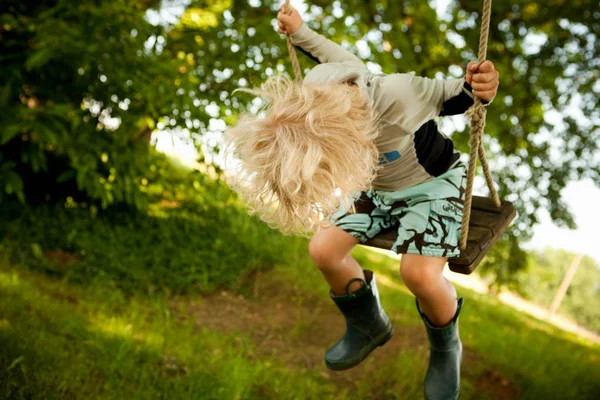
(82, 87)
(84, 83)
(543, 127)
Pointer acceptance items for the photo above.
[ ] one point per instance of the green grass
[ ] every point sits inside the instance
(540, 360)
(197, 238)
(105, 318)
(63, 342)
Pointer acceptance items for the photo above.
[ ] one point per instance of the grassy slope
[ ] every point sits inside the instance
(60, 340)
(123, 318)
(63, 342)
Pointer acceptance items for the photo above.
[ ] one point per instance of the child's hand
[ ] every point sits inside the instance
(288, 24)
(483, 79)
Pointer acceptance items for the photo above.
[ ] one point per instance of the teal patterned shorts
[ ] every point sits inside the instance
(427, 216)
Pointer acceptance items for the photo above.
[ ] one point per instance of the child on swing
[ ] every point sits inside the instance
(364, 151)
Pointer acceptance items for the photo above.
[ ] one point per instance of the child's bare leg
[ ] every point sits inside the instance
(435, 294)
(439, 309)
(367, 325)
(330, 250)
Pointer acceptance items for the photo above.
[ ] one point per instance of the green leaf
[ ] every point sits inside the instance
(37, 251)
(38, 59)
(150, 122)
(66, 176)
(15, 362)
(8, 133)
(4, 95)
(13, 184)
(7, 166)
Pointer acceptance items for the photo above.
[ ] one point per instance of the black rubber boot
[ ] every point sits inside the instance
(367, 325)
(442, 381)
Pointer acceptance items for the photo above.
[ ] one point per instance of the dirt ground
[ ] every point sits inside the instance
(298, 334)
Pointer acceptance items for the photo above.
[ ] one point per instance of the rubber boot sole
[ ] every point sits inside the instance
(362, 354)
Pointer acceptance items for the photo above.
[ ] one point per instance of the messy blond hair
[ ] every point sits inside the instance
(306, 153)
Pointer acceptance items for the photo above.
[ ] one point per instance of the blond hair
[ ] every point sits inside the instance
(306, 153)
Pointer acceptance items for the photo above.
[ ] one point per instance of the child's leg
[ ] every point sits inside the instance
(330, 250)
(435, 294)
(439, 309)
(367, 325)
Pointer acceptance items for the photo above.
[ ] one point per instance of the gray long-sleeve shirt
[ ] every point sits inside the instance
(404, 103)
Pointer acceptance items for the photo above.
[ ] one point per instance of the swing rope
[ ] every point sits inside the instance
(292, 49)
(476, 114)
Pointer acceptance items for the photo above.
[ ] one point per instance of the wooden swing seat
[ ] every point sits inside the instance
(486, 225)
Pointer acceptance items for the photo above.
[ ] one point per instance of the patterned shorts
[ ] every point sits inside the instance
(427, 216)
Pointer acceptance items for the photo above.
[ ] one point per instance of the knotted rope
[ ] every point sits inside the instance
(477, 115)
(292, 49)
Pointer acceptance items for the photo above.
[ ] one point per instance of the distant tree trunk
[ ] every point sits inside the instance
(146, 132)
(564, 285)
(146, 135)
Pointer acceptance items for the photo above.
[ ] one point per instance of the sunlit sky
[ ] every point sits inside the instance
(582, 197)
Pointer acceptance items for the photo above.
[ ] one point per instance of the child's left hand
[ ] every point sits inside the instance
(483, 79)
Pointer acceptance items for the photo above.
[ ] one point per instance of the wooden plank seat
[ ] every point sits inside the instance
(487, 224)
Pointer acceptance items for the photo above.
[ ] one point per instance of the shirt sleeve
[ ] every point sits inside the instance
(411, 100)
(320, 48)
(460, 103)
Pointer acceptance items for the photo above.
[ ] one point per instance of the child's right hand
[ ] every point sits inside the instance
(288, 24)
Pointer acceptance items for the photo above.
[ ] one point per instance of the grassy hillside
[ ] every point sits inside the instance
(195, 300)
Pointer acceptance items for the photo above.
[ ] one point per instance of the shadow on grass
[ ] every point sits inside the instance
(113, 335)
(507, 354)
(92, 347)
(169, 250)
